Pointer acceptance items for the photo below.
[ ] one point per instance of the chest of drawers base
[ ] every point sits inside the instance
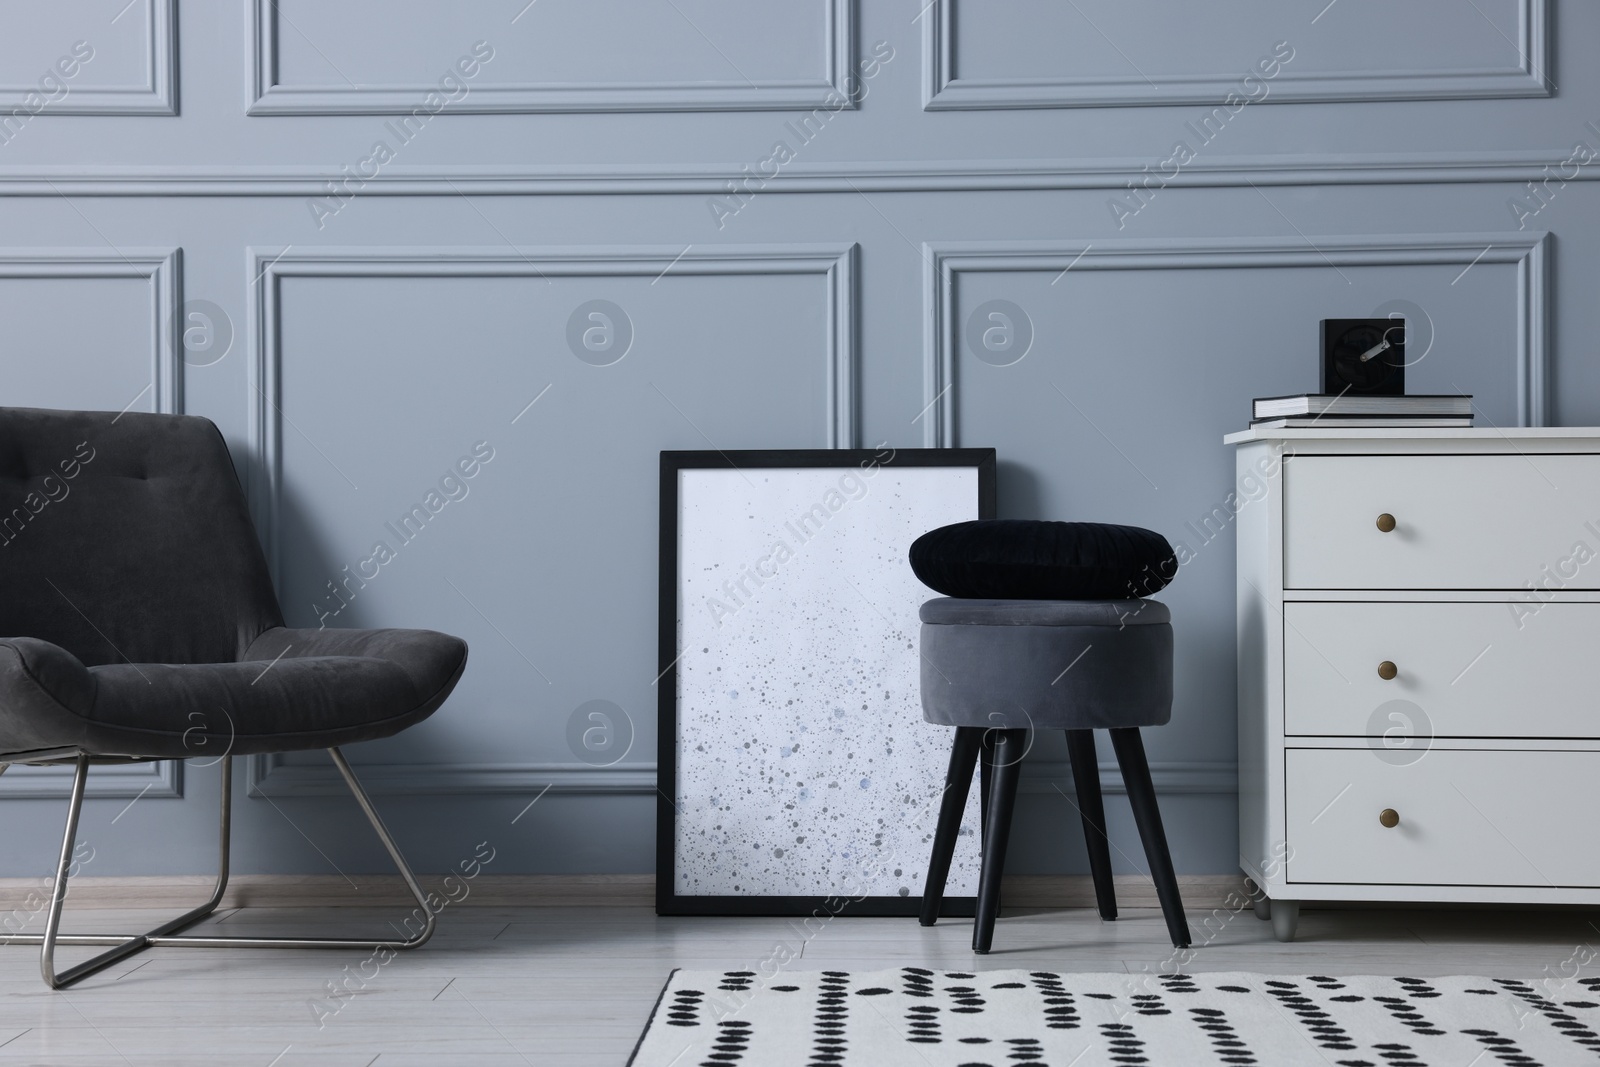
(1418, 619)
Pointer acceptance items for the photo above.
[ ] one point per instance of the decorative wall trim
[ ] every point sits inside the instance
(891, 177)
(941, 92)
(161, 267)
(267, 98)
(268, 775)
(157, 95)
(267, 266)
(943, 261)
(271, 776)
(1171, 778)
(163, 778)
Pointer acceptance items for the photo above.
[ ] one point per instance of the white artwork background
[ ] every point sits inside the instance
(804, 766)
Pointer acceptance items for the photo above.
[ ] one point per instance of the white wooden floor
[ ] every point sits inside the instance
(571, 986)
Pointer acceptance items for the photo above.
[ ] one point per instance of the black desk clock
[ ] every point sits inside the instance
(1364, 357)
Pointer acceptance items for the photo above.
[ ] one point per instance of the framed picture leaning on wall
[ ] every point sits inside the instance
(795, 770)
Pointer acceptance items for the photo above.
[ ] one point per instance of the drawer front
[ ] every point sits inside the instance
(1465, 818)
(1504, 669)
(1461, 522)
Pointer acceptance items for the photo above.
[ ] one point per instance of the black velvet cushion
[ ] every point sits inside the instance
(137, 616)
(1028, 559)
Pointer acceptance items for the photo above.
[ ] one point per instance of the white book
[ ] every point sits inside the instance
(1356, 422)
(1274, 407)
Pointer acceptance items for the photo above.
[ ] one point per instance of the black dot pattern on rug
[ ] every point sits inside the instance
(1503, 1048)
(1564, 1021)
(1224, 1038)
(736, 981)
(828, 1044)
(1059, 1010)
(685, 1008)
(1324, 1031)
(733, 1038)
(922, 1024)
(1149, 1004)
(1418, 988)
(1178, 984)
(1016, 1018)
(968, 1001)
(916, 982)
(1025, 1049)
(1400, 1055)
(1124, 1044)
(1406, 1013)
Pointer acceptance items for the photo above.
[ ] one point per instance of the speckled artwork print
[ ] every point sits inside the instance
(804, 767)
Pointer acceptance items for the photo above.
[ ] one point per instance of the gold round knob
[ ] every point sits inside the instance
(1387, 670)
(1389, 818)
(1386, 522)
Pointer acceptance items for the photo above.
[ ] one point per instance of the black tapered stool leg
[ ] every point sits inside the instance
(1142, 796)
(1009, 746)
(957, 783)
(1086, 777)
(986, 769)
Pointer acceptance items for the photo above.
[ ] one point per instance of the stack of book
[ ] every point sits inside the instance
(1325, 410)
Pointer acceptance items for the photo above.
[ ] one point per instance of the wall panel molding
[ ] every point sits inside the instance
(268, 98)
(160, 267)
(892, 177)
(156, 95)
(162, 778)
(943, 261)
(943, 92)
(269, 775)
(837, 264)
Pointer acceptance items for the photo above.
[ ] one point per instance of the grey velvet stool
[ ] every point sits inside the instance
(996, 669)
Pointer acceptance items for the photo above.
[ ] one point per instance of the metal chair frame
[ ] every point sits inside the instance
(167, 934)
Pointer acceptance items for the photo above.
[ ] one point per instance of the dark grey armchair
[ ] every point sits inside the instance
(138, 622)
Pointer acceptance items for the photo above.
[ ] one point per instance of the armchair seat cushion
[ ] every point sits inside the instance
(292, 689)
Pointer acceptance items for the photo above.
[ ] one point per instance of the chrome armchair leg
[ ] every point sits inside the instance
(166, 935)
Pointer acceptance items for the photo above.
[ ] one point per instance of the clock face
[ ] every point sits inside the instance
(1364, 356)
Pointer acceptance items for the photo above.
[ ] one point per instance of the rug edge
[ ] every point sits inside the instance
(650, 1020)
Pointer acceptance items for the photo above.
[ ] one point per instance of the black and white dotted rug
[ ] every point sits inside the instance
(924, 1018)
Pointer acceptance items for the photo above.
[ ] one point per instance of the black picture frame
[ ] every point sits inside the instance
(668, 901)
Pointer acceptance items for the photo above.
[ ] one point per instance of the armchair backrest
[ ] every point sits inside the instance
(126, 538)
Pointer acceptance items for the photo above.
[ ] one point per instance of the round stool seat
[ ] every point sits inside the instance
(1046, 664)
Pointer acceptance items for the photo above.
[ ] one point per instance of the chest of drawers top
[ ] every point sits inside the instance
(1336, 439)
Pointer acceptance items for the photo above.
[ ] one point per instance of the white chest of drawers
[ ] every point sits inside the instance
(1419, 665)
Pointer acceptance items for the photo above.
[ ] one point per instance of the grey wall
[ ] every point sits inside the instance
(385, 309)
